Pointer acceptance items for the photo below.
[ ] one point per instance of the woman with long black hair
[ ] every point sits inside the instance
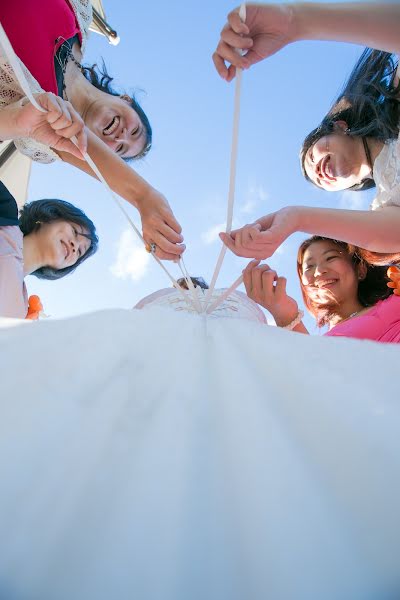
(355, 146)
(49, 38)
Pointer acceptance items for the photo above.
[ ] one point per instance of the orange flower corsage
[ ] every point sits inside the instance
(35, 307)
(394, 275)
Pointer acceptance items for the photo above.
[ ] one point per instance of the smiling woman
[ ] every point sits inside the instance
(356, 145)
(50, 240)
(50, 41)
(340, 289)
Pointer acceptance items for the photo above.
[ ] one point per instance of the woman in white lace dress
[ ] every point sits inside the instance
(49, 37)
(356, 145)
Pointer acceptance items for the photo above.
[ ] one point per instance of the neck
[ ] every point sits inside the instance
(344, 311)
(80, 92)
(33, 259)
(375, 147)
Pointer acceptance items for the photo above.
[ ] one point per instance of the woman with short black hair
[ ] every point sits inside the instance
(50, 240)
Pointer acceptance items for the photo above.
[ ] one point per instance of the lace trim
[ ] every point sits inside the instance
(11, 92)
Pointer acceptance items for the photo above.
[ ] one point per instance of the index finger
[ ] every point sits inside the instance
(236, 22)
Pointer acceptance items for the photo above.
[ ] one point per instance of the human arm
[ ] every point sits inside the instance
(54, 127)
(376, 231)
(158, 222)
(267, 289)
(270, 27)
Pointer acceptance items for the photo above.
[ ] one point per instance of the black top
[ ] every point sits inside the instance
(8, 207)
(60, 62)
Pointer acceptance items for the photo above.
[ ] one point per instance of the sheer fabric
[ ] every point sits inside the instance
(163, 455)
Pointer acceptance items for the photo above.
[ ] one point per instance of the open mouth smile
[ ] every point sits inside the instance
(112, 126)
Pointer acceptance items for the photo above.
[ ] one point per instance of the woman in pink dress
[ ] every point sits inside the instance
(340, 289)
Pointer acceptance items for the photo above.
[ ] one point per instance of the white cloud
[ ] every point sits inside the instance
(353, 201)
(211, 234)
(246, 212)
(255, 195)
(132, 259)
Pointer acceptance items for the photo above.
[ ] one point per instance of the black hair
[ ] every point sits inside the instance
(368, 104)
(197, 282)
(370, 290)
(99, 77)
(37, 212)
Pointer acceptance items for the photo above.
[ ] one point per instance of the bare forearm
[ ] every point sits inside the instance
(120, 177)
(377, 231)
(370, 24)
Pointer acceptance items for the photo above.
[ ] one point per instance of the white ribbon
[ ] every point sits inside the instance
(232, 177)
(15, 64)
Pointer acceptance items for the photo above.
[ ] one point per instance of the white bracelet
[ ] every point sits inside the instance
(295, 321)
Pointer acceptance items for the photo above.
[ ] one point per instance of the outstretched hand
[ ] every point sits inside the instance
(54, 127)
(267, 29)
(261, 239)
(160, 227)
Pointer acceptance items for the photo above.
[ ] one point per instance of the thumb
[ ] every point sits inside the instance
(65, 145)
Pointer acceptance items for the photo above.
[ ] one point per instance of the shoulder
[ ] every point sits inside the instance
(8, 207)
(388, 306)
(387, 175)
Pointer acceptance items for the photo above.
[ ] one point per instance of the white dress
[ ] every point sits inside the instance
(387, 176)
(158, 454)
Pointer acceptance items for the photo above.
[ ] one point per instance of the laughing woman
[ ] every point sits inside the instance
(340, 289)
(50, 41)
(49, 240)
(356, 146)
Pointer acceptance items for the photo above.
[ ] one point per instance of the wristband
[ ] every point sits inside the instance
(295, 321)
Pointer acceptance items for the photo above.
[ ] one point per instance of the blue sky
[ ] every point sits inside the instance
(165, 56)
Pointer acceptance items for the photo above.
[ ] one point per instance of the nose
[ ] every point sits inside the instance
(319, 269)
(122, 136)
(74, 248)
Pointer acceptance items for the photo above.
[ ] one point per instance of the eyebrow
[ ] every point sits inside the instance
(324, 252)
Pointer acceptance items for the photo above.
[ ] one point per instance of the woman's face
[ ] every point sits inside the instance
(336, 161)
(61, 243)
(328, 274)
(115, 122)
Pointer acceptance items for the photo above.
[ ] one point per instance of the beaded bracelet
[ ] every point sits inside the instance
(295, 321)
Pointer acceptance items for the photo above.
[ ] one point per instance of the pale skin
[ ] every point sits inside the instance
(115, 131)
(327, 274)
(55, 127)
(337, 163)
(58, 245)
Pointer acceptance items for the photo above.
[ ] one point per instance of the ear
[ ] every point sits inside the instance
(126, 98)
(341, 126)
(362, 271)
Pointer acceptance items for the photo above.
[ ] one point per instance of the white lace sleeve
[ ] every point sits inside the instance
(10, 90)
(84, 14)
(387, 176)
